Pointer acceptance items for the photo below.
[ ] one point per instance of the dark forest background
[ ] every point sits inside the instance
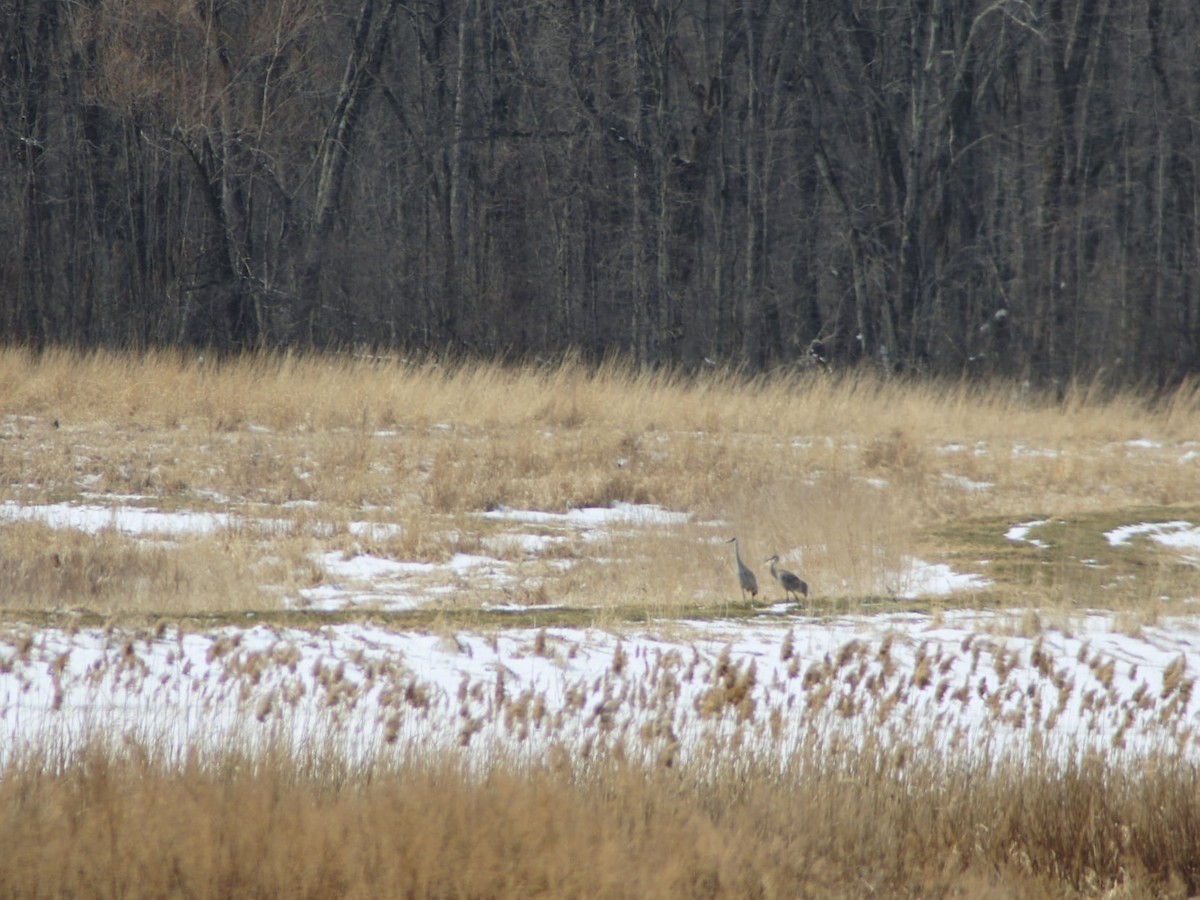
(942, 186)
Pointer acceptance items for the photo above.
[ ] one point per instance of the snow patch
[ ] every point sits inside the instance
(1159, 531)
(937, 579)
(1021, 533)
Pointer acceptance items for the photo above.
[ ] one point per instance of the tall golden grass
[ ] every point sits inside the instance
(855, 823)
(849, 473)
(846, 473)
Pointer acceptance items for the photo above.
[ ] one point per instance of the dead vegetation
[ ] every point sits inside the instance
(843, 476)
(854, 823)
(308, 456)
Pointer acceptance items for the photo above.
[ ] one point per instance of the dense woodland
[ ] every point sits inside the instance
(984, 186)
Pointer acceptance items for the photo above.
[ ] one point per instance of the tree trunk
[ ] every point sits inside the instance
(358, 81)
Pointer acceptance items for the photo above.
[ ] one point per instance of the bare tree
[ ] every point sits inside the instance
(947, 186)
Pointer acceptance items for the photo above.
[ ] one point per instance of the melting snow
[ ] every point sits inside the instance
(932, 579)
(966, 682)
(594, 517)
(1021, 533)
(969, 683)
(967, 484)
(1178, 534)
(126, 519)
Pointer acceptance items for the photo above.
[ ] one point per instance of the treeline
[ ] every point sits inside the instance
(993, 186)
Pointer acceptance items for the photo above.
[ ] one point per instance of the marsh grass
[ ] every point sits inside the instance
(1073, 565)
(812, 778)
(844, 476)
(53, 568)
(862, 823)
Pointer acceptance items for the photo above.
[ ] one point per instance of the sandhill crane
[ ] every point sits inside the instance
(792, 584)
(745, 577)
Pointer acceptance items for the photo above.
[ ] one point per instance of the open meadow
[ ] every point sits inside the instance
(338, 626)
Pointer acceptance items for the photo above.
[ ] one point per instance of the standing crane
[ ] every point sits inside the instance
(791, 583)
(745, 577)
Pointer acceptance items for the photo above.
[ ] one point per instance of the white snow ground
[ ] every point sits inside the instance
(973, 684)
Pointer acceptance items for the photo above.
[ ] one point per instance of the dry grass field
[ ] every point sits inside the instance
(849, 472)
(854, 824)
(286, 460)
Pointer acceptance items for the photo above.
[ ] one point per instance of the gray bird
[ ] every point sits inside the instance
(745, 577)
(792, 584)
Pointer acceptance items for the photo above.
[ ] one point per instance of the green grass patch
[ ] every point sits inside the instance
(1069, 558)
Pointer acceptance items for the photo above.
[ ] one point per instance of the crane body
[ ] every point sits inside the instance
(789, 581)
(746, 578)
